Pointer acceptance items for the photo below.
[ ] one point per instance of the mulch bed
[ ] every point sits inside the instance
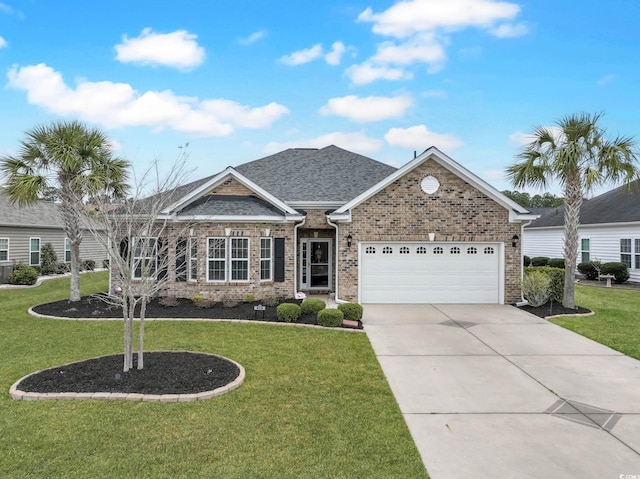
(552, 309)
(165, 372)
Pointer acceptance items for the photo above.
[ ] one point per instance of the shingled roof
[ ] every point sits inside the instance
(621, 205)
(214, 205)
(44, 214)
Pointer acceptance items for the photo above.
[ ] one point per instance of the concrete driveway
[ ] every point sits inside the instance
(493, 392)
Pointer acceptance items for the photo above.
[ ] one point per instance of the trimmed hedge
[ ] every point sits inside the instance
(288, 312)
(535, 288)
(619, 270)
(556, 263)
(556, 281)
(589, 269)
(539, 261)
(88, 265)
(23, 274)
(312, 306)
(526, 261)
(351, 311)
(330, 318)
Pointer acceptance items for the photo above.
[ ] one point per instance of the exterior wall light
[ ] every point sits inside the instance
(514, 241)
(349, 240)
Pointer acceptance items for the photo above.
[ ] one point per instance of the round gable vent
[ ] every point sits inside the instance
(430, 185)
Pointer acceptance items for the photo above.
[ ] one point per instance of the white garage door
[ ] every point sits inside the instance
(430, 272)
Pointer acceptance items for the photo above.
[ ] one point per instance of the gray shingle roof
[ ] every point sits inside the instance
(230, 205)
(307, 174)
(621, 205)
(43, 213)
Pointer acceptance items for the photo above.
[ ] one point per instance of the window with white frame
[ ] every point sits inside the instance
(34, 251)
(239, 259)
(4, 249)
(625, 251)
(67, 250)
(193, 259)
(216, 259)
(585, 248)
(145, 258)
(266, 263)
(637, 253)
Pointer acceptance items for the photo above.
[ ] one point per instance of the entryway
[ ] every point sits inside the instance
(315, 264)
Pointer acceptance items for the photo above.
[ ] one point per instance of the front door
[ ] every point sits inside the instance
(315, 264)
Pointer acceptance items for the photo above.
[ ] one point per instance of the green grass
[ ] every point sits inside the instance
(616, 322)
(314, 404)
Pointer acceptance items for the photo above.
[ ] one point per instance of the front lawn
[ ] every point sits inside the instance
(314, 404)
(616, 322)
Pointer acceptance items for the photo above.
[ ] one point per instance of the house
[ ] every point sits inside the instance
(24, 230)
(329, 220)
(609, 230)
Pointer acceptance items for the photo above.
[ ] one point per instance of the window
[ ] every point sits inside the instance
(625, 251)
(387, 250)
(488, 250)
(193, 259)
(67, 250)
(4, 249)
(145, 258)
(472, 250)
(34, 251)
(265, 259)
(584, 248)
(455, 250)
(404, 250)
(239, 259)
(421, 250)
(370, 250)
(438, 250)
(637, 250)
(216, 259)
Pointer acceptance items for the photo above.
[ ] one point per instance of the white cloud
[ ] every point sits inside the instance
(520, 138)
(509, 30)
(302, 56)
(371, 108)
(423, 48)
(607, 79)
(178, 49)
(254, 37)
(335, 55)
(3, 43)
(419, 137)
(8, 10)
(368, 73)
(116, 105)
(358, 142)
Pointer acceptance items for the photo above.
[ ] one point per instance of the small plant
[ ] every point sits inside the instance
(535, 288)
(288, 312)
(330, 318)
(556, 263)
(88, 265)
(23, 274)
(230, 302)
(249, 298)
(169, 301)
(271, 301)
(105, 263)
(197, 298)
(351, 311)
(539, 261)
(312, 306)
(64, 268)
(526, 261)
(48, 260)
(619, 270)
(201, 302)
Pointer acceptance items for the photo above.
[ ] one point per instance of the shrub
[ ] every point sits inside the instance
(88, 265)
(23, 274)
(169, 301)
(535, 288)
(619, 270)
(312, 306)
(526, 260)
(539, 261)
(556, 263)
(63, 268)
(37, 268)
(556, 278)
(230, 302)
(201, 302)
(249, 298)
(288, 312)
(48, 260)
(105, 263)
(330, 318)
(271, 301)
(351, 311)
(590, 269)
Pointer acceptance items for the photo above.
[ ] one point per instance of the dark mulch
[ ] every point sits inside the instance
(165, 372)
(94, 307)
(552, 309)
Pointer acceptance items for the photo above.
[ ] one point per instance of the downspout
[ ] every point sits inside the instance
(335, 225)
(295, 255)
(522, 226)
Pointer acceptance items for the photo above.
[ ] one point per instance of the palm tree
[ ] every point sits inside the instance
(577, 154)
(73, 158)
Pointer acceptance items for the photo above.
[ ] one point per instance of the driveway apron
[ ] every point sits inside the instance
(489, 391)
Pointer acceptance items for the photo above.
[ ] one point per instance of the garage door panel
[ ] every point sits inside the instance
(462, 273)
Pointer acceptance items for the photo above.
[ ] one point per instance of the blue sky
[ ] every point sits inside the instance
(243, 79)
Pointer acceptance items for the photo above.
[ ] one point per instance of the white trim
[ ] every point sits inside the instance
(65, 250)
(587, 225)
(230, 241)
(155, 256)
(270, 259)
(229, 172)
(32, 251)
(232, 218)
(519, 213)
(330, 243)
(8, 248)
(192, 239)
(316, 205)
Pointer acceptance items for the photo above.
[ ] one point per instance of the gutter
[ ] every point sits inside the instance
(523, 301)
(336, 269)
(295, 255)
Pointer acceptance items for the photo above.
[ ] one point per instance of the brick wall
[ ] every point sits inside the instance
(231, 187)
(402, 211)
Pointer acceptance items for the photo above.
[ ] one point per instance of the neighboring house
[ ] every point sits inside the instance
(328, 220)
(609, 230)
(24, 230)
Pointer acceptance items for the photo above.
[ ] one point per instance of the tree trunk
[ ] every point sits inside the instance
(72, 210)
(125, 316)
(573, 202)
(74, 293)
(143, 307)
